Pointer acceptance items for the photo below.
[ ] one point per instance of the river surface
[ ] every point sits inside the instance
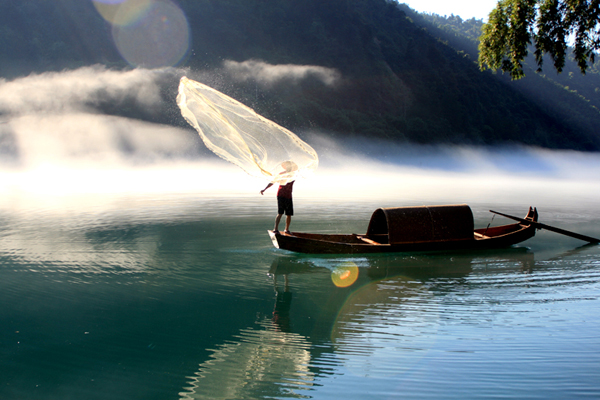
(171, 295)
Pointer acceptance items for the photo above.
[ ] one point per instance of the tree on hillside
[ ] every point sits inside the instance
(550, 25)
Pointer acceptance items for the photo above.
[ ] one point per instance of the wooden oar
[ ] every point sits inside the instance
(550, 228)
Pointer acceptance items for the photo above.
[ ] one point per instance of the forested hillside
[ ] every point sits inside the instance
(572, 96)
(397, 77)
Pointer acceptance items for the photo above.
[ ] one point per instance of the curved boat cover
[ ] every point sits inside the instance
(422, 224)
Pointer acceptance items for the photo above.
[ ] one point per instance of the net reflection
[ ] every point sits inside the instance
(262, 362)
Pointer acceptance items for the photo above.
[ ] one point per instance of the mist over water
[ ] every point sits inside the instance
(53, 130)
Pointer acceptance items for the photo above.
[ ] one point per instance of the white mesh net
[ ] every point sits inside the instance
(239, 135)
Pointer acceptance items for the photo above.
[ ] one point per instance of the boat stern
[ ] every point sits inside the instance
(273, 237)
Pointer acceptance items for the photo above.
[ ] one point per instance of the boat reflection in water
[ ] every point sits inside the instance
(418, 266)
(339, 316)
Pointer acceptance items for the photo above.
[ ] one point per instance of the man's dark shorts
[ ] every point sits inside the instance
(285, 206)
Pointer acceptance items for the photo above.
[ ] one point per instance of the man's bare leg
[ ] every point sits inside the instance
(288, 221)
(277, 219)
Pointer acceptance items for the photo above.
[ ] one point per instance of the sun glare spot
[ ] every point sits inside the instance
(345, 274)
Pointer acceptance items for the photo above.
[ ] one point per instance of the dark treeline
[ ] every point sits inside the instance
(404, 77)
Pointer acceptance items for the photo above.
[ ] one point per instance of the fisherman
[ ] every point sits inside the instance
(285, 204)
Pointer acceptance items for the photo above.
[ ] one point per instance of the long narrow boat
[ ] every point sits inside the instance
(412, 229)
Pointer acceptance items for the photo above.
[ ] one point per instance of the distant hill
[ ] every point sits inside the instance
(386, 71)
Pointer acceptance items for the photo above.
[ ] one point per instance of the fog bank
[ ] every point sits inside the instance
(57, 141)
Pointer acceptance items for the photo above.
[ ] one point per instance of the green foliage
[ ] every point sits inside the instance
(547, 24)
(506, 36)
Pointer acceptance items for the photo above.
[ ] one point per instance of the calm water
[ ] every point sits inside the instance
(166, 296)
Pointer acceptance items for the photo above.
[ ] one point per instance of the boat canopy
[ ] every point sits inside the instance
(422, 224)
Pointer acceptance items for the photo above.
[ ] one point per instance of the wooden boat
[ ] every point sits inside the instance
(412, 229)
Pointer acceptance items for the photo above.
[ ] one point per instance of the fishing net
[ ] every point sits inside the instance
(239, 135)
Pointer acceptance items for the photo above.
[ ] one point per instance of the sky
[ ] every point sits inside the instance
(466, 9)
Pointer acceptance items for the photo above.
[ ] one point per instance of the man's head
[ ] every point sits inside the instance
(289, 166)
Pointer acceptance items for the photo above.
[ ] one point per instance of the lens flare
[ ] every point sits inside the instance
(147, 33)
(345, 274)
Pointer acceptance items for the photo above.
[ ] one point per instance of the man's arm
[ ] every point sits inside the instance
(268, 186)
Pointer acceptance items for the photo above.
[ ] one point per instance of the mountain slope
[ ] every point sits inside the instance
(381, 73)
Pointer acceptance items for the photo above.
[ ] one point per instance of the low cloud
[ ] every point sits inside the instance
(89, 140)
(60, 118)
(79, 90)
(267, 74)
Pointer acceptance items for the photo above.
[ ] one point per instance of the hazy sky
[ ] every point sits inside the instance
(465, 8)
